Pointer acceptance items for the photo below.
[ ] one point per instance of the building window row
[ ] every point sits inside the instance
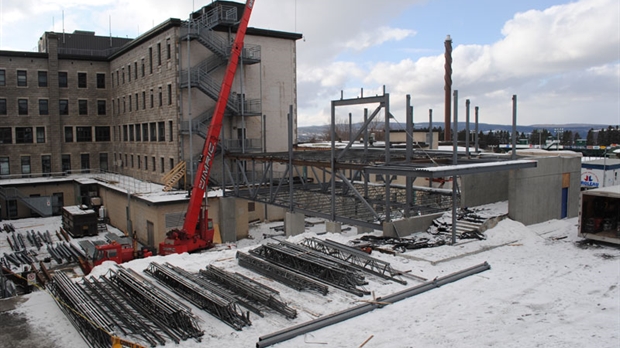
(22, 135)
(142, 162)
(132, 72)
(63, 107)
(127, 103)
(63, 79)
(46, 164)
(84, 134)
(153, 131)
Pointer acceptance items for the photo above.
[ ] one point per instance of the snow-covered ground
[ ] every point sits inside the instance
(546, 288)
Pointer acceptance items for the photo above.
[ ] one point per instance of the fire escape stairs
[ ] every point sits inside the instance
(174, 175)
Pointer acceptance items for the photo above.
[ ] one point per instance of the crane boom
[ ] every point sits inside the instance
(186, 238)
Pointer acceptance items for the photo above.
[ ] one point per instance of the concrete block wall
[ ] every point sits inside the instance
(484, 188)
(535, 194)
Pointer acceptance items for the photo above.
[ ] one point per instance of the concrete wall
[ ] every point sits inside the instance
(535, 194)
(406, 227)
(484, 188)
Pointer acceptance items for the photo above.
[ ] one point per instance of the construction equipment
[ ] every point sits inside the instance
(196, 218)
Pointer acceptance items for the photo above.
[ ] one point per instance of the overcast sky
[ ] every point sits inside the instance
(561, 58)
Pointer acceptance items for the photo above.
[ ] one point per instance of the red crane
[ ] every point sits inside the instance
(186, 239)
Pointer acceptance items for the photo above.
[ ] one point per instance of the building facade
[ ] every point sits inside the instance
(88, 103)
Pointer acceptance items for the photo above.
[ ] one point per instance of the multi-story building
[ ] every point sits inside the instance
(138, 107)
(87, 102)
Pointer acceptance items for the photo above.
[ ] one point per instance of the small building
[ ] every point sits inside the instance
(600, 173)
(79, 222)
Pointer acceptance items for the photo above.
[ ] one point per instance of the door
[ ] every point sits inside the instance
(150, 233)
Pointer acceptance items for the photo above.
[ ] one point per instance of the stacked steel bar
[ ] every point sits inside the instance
(356, 257)
(94, 327)
(247, 287)
(122, 313)
(280, 274)
(151, 302)
(222, 308)
(313, 265)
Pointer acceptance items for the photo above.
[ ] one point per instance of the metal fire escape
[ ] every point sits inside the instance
(203, 27)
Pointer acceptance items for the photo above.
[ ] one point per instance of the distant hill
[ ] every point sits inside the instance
(308, 132)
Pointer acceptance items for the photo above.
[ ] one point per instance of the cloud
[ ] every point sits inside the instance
(376, 37)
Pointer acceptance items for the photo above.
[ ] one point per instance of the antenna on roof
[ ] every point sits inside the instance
(110, 28)
(63, 26)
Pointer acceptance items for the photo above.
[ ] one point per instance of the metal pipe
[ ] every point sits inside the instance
(454, 162)
(286, 334)
(290, 158)
(467, 127)
(476, 127)
(430, 129)
(448, 85)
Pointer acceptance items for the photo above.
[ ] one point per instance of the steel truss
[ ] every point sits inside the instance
(170, 315)
(313, 265)
(94, 327)
(250, 289)
(219, 305)
(359, 259)
(289, 278)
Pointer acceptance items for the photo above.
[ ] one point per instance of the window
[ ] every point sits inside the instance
(4, 166)
(68, 134)
(139, 161)
(66, 163)
(112, 79)
(84, 134)
(40, 135)
(113, 109)
(151, 60)
(63, 106)
(82, 80)
(153, 127)
(100, 80)
(171, 163)
(22, 106)
(138, 132)
(161, 98)
(169, 94)
(22, 78)
(169, 130)
(143, 70)
(145, 132)
(3, 106)
(85, 162)
(153, 162)
(152, 104)
(159, 54)
(102, 133)
(146, 163)
(23, 135)
(11, 209)
(125, 136)
(143, 100)
(123, 75)
(44, 107)
(135, 70)
(161, 164)
(103, 161)
(25, 161)
(131, 160)
(251, 206)
(161, 128)
(130, 103)
(118, 106)
(6, 135)
(129, 72)
(118, 82)
(124, 105)
(168, 49)
(137, 104)
(42, 78)
(46, 165)
(2, 77)
(62, 79)
(131, 132)
(101, 108)
(83, 107)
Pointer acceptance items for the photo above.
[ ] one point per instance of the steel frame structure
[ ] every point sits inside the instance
(340, 188)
